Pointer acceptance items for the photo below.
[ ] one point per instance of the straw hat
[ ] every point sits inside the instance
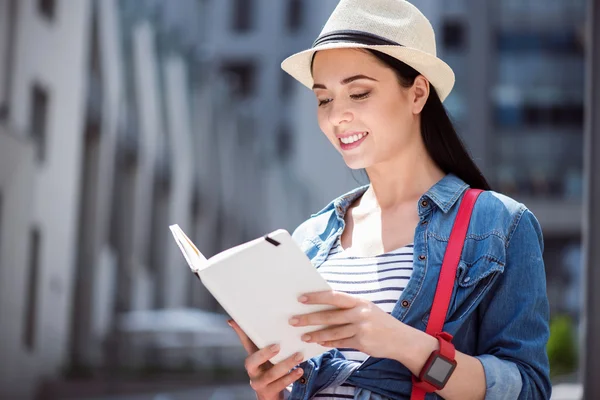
(393, 27)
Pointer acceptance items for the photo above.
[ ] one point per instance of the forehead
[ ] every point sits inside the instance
(336, 63)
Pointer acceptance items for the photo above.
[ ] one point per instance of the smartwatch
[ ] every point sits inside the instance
(439, 366)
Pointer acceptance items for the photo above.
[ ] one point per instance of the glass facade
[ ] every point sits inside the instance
(537, 98)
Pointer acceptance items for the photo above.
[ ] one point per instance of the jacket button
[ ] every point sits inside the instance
(424, 203)
(424, 222)
(422, 257)
(302, 380)
(405, 303)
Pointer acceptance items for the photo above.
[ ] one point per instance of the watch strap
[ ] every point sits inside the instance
(446, 350)
(446, 347)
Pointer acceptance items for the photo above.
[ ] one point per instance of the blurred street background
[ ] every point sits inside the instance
(120, 117)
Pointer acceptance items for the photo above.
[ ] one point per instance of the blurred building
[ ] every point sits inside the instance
(518, 102)
(43, 74)
(248, 40)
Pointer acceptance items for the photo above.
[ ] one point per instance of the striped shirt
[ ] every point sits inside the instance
(379, 279)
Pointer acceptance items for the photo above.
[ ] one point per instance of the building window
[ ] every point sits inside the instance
(540, 115)
(453, 34)
(29, 331)
(242, 15)
(38, 121)
(295, 15)
(47, 8)
(243, 77)
(562, 42)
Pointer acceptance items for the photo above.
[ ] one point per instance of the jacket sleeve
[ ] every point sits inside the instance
(514, 327)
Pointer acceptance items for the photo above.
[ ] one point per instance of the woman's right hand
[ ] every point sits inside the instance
(268, 380)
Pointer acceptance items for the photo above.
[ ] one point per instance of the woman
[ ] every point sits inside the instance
(379, 88)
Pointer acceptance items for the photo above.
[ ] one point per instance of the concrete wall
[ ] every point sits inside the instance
(17, 174)
(51, 53)
(180, 131)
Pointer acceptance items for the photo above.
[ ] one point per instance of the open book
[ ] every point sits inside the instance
(258, 284)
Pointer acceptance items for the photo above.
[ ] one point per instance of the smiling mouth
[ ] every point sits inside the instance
(354, 138)
(351, 142)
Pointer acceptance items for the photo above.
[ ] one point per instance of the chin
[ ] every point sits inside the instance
(357, 163)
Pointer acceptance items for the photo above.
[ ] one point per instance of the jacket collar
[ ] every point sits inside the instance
(443, 194)
(446, 192)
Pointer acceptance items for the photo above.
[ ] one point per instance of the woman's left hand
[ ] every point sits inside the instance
(358, 324)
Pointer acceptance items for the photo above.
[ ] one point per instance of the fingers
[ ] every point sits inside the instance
(281, 369)
(280, 384)
(249, 346)
(336, 333)
(279, 376)
(329, 317)
(274, 379)
(255, 360)
(330, 297)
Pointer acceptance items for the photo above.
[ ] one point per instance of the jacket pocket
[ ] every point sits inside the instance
(472, 283)
(482, 260)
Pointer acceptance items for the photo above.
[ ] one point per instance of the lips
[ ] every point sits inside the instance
(353, 140)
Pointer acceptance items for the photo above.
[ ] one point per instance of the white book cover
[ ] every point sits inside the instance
(258, 284)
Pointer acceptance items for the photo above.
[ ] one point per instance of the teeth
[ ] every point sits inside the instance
(352, 139)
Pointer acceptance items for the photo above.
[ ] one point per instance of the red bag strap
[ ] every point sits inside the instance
(445, 285)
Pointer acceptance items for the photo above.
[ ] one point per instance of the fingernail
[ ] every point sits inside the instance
(299, 371)
(302, 299)
(294, 321)
(274, 347)
(230, 322)
(306, 338)
(298, 357)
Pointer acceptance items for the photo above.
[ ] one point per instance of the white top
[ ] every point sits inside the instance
(380, 279)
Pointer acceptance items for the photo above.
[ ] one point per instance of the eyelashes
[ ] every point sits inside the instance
(359, 96)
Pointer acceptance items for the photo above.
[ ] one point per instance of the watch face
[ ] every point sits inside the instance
(439, 371)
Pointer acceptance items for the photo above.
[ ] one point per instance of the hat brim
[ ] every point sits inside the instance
(439, 74)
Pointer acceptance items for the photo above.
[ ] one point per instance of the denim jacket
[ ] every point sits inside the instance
(498, 311)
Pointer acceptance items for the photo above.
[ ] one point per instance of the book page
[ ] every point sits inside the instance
(193, 256)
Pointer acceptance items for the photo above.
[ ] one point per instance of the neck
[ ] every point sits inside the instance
(402, 179)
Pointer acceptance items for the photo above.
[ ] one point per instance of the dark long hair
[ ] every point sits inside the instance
(439, 136)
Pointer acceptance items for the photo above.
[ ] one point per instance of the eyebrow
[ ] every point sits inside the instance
(345, 81)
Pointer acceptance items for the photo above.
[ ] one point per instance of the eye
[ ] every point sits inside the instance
(324, 102)
(360, 96)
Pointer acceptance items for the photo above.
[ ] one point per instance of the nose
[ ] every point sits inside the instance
(339, 113)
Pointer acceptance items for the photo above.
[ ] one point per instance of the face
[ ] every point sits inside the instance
(363, 109)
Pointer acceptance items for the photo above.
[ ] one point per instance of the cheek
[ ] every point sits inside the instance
(391, 122)
(396, 112)
(393, 110)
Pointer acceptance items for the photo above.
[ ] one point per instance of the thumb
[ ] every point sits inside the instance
(249, 346)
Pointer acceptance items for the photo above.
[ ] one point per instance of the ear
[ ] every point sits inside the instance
(420, 94)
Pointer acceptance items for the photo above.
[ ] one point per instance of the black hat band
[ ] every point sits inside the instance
(350, 36)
